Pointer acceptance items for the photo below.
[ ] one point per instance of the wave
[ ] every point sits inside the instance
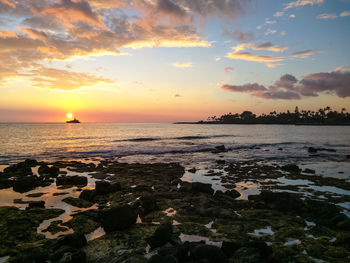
(193, 137)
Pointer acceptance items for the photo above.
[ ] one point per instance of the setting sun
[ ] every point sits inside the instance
(69, 115)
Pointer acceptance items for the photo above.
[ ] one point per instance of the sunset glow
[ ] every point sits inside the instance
(170, 60)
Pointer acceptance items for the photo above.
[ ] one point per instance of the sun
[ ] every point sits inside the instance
(69, 115)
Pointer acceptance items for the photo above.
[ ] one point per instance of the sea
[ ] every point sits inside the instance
(188, 144)
(191, 145)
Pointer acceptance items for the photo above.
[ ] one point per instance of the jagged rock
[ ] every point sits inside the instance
(291, 168)
(72, 180)
(193, 170)
(76, 240)
(118, 218)
(232, 193)
(36, 204)
(78, 202)
(148, 203)
(203, 188)
(25, 183)
(210, 253)
(309, 171)
(47, 171)
(103, 187)
(161, 236)
(88, 195)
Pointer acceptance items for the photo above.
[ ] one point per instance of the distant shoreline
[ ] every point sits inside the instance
(293, 124)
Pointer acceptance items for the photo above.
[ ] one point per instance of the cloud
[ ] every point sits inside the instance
(178, 95)
(8, 3)
(289, 88)
(51, 78)
(327, 16)
(270, 22)
(303, 54)
(249, 87)
(279, 14)
(182, 64)
(300, 3)
(345, 13)
(337, 82)
(242, 37)
(263, 46)
(333, 16)
(270, 32)
(292, 16)
(250, 57)
(228, 69)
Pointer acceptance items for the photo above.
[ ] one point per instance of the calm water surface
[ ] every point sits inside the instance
(149, 142)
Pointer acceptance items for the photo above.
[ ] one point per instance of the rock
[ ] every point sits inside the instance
(103, 187)
(72, 180)
(78, 202)
(309, 171)
(193, 170)
(210, 253)
(220, 161)
(88, 195)
(232, 193)
(348, 156)
(246, 255)
(229, 248)
(66, 254)
(160, 236)
(312, 150)
(292, 168)
(148, 203)
(35, 195)
(25, 184)
(76, 240)
(18, 170)
(219, 149)
(36, 204)
(203, 188)
(47, 171)
(31, 162)
(118, 218)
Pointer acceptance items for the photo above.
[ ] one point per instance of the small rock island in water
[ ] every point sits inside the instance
(110, 211)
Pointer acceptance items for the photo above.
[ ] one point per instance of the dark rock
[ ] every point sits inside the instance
(33, 254)
(220, 161)
(161, 236)
(348, 156)
(88, 195)
(280, 149)
(66, 254)
(232, 193)
(312, 150)
(35, 195)
(192, 170)
(229, 248)
(36, 204)
(246, 255)
(78, 202)
(291, 168)
(118, 218)
(148, 203)
(344, 225)
(203, 188)
(210, 253)
(31, 162)
(309, 171)
(47, 171)
(18, 170)
(76, 240)
(72, 180)
(103, 187)
(25, 183)
(219, 149)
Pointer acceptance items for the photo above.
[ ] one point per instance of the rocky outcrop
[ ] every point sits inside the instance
(118, 218)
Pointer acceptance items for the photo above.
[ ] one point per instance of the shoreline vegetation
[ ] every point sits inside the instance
(325, 116)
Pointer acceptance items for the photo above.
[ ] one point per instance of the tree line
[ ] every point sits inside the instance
(325, 116)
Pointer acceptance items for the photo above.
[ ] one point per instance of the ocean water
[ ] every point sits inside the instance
(189, 144)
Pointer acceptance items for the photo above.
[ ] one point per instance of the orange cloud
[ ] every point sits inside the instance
(182, 64)
(250, 57)
(9, 3)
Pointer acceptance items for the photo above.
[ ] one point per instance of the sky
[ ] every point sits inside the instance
(170, 60)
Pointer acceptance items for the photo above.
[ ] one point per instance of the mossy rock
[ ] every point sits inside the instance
(77, 202)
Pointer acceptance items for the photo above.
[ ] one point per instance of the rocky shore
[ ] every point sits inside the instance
(148, 213)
